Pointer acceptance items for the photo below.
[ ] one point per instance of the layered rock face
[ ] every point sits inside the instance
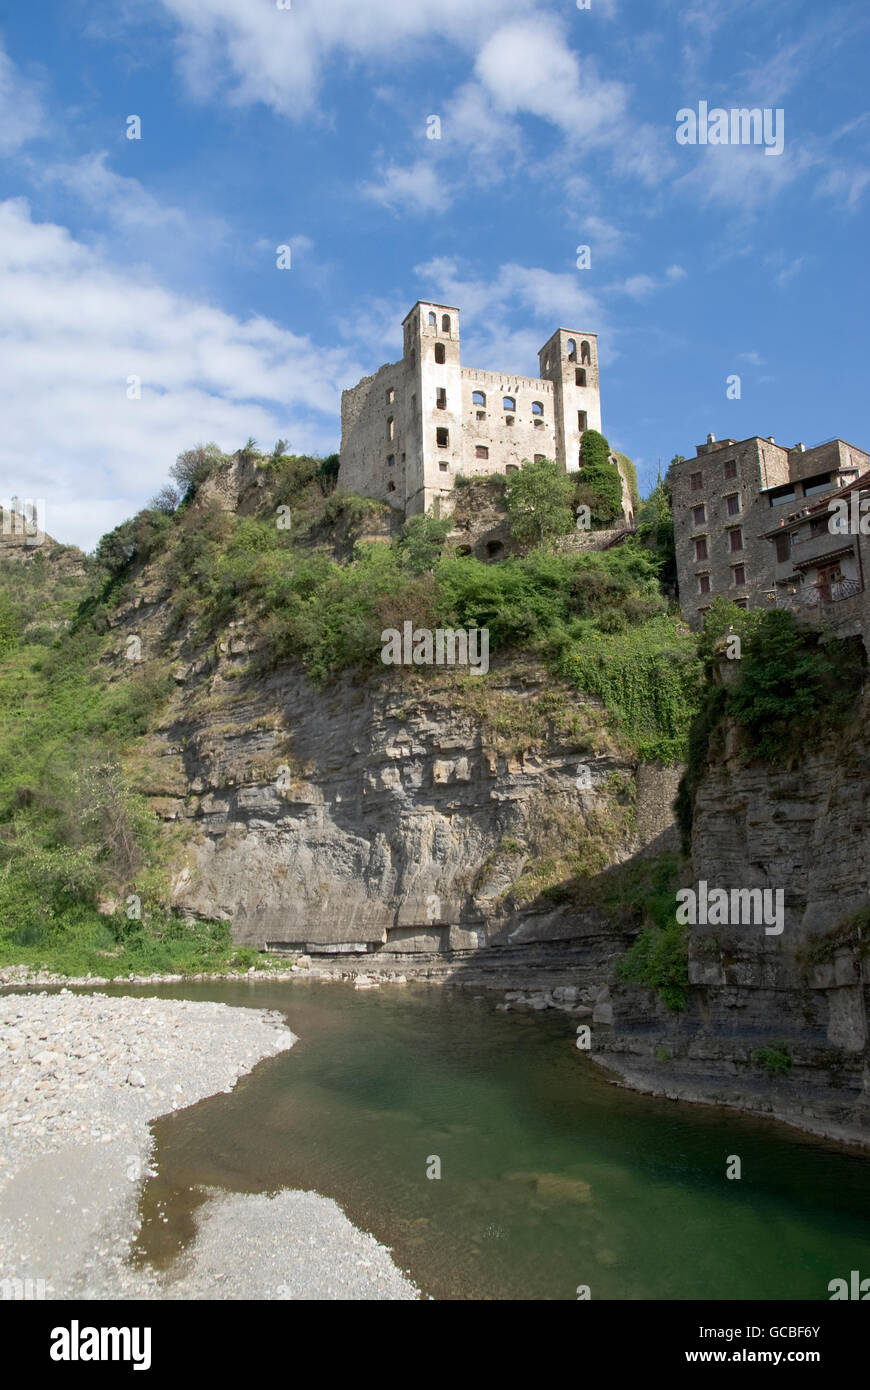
(385, 818)
(777, 1021)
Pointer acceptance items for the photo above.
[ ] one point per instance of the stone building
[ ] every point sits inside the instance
(410, 429)
(725, 502)
(821, 560)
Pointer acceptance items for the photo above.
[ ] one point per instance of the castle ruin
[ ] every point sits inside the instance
(409, 430)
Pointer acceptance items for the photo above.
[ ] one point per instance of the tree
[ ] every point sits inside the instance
(422, 541)
(655, 529)
(193, 466)
(166, 500)
(538, 500)
(600, 477)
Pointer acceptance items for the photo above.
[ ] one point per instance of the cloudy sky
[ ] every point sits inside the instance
(142, 308)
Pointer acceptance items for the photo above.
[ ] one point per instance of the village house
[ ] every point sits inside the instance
(729, 498)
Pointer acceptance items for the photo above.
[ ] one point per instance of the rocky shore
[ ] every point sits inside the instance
(81, 1077)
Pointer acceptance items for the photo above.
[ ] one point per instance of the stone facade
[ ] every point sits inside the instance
(407, 431)
(725, 501)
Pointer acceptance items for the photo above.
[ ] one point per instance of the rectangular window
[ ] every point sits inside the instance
(783, 548)
(442, 438)
(443, 467)
(696, 482)
(539, 458)
(739, 574)
(511, 468)
(581, 420)
(481, 414)
(703, 583)
(730, 466)
(580, 376)
(699, 515)
(481, 451)
(509, 419)
(391, 396)
(391, 460)
(701, 549)
(441, 398)
(391, 428)
(741, 603)
(733, 503)
(736, 538)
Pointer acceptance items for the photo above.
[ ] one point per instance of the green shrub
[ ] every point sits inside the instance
(538, 498)
(659, 960)
(600, 478)
(775, 1058)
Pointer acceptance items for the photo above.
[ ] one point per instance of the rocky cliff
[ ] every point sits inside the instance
(775, 1023)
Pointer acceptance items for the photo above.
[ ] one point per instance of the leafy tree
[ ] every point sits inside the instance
(193, 466)
(600, 477)
(166, 500)
(655, 528)
(422, 541)
(538, 500)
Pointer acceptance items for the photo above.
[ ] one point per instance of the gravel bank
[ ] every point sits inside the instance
(80, 1078)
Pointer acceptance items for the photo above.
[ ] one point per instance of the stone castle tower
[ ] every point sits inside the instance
(407, 431)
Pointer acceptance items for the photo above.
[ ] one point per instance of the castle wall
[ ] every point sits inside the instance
(509, 445)
(366, 446)
(436, 431)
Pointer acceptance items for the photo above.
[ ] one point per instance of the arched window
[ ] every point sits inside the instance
(585, 354)
(445, 323)
(433, 319)
(509, 403)
(391, 428)
(572, 350)
(478, 398)
(537, 408)
(440, 354)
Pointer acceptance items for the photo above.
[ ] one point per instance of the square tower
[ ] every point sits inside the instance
(570, 361)
(434, 383)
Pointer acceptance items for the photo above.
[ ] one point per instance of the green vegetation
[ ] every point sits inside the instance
(599, 486)
(776, 1058)
(648, 677)
(791, 687)
(659, 960)
(851, 933)
(539, 498)
(291, 567)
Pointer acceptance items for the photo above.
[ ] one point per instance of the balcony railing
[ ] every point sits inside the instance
(813, 595)
(842, 588)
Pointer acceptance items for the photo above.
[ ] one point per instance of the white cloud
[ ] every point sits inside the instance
(641, 286)
(263, 54)
(74, 328)
(554, 85)
(488, 307)
(416, 188)
(21, 113)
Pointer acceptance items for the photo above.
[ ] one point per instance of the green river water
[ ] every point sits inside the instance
(551, 1177)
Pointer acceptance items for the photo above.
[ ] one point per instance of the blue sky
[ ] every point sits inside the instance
(156, 258)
